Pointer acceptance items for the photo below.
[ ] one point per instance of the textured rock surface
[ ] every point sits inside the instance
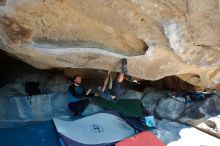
(92, 109)
(175, 134)
(211, 125)
(131, 94)
(194, 137)
(151, 100)
(43, 107)
(49, 83)
(170, 109)
(199, 113)
(196, 113)
(168, 131)
(182, 36)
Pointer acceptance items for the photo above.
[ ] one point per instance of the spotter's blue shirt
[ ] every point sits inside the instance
(75, 93)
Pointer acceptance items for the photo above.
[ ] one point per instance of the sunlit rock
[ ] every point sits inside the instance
(159, 38)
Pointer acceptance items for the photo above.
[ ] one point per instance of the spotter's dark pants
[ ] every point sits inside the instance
(78, 106)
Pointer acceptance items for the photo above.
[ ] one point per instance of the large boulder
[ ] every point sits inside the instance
(196, 113)
(48, 83)
(194, 137)
(203, 115)
(151, 100)
(168, 131)
(173, 134)
(92, 109)
(159, 38)
(170, 109)
(211, 106)
(132, 94)
(42, 107)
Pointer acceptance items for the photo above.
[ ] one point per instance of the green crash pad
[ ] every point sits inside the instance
(127, 107)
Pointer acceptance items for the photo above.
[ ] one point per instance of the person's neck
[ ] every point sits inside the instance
(76, 84)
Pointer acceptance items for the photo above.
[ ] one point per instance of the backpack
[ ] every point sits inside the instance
(32, 88)
(148, 121)
(197, 96)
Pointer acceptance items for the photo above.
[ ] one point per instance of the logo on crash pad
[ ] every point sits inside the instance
(96, 128)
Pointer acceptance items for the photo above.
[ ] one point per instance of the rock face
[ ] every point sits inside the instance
(159, 38)
(175, 134)
(170, 109)
(151, 100)
(203, 115)
(168, 131)
(194, 137)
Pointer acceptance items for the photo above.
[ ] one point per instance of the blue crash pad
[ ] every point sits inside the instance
(31, 134)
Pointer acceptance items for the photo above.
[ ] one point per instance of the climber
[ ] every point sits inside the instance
(77, 97)
(115, 88)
